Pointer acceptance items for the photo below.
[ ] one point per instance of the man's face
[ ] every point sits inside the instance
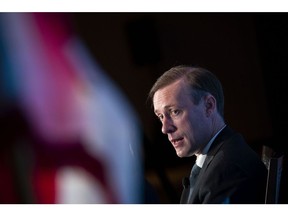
(185, 123)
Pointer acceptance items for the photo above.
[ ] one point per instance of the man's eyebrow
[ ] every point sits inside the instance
(156, 112)
(165, 108)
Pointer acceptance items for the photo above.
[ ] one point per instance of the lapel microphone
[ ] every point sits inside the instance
(186, 182)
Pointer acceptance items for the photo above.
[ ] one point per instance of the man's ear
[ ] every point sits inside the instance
(210, 104)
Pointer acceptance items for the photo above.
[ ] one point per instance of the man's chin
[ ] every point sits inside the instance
(181, 154)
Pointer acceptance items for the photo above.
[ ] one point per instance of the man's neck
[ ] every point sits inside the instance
(201, 157)
(215, 134)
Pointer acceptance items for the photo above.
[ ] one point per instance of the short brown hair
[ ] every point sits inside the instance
(200, 80)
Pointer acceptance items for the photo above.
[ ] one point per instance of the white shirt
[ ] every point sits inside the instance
(201, 158)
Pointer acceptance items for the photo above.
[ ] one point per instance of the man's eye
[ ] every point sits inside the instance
(175, 112)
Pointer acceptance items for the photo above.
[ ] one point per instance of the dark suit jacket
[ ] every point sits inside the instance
(232, 173)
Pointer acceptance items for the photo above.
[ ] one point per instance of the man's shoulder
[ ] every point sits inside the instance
(227, 140)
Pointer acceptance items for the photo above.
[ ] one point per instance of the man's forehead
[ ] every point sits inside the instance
(170, 96)
(177, 87)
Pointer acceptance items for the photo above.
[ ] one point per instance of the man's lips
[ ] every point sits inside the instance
(176, 141)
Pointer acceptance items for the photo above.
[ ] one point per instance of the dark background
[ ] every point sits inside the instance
(247, 51)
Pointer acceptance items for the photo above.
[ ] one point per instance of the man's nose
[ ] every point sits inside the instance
(167, 125)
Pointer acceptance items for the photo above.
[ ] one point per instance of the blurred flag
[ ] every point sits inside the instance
(88, 140)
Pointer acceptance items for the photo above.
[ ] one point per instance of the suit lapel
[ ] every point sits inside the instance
(216, 145)
(184, 196)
